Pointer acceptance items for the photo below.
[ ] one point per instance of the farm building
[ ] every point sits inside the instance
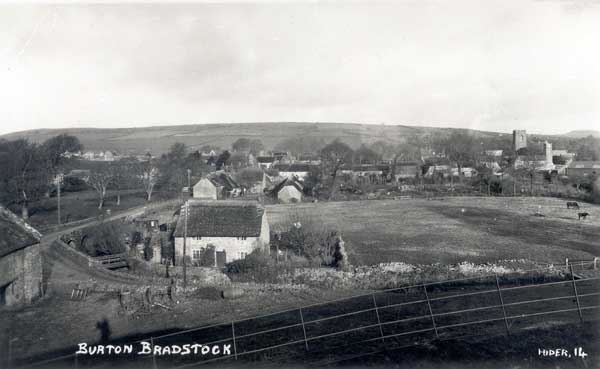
(583, 168)
(217, 186)
(288, 191)
(229, 230)
(406, 169)
(294, 170)
(20, 261)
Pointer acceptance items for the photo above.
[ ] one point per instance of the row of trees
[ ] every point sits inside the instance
(27, 168)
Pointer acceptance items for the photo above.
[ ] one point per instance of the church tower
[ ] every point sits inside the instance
(519, 139)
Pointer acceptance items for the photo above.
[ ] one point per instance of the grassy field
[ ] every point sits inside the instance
(83, 205)
(452, 230)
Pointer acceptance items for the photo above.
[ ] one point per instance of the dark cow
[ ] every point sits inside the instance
(572, 204)
(582, 215)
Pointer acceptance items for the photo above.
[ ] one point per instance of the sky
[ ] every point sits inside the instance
(488, 65)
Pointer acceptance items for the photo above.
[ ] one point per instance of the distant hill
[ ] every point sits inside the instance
(583, 133)
(158, 139)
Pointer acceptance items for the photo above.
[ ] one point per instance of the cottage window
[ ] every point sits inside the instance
(196, 254)
(198, 238)
(242, 238)
(243, 255)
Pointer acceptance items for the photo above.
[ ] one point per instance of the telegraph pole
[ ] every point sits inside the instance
(189, 172)
(185, 214)
(58, 180)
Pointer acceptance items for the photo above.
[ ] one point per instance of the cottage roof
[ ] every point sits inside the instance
(222, 219)
(287, 182)
(16, 234)
(585, 165)
(293, 167)
(223, 180)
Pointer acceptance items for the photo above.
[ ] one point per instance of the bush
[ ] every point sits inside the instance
(104, 239)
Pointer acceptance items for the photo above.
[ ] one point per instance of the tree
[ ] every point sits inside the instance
(365, 155)
(25, 175)
(238, 160)
(55, 147)
(246, 145)
(460, 149)
(100, 179)
(223, 160)
(148, 174)
(333, 156)
(122, 176)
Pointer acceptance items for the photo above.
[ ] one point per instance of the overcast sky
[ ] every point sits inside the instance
(490, 65)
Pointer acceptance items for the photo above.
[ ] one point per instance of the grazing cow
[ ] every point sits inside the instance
(572, 204)
(582, 215)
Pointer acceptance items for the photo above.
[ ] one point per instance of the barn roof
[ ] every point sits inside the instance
(222, 219)
(287, 182)
(223, 180)
(16, 234)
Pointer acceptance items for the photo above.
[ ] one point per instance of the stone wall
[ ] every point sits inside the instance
(21, 276)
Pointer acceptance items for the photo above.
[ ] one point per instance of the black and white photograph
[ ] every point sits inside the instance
(300, 184)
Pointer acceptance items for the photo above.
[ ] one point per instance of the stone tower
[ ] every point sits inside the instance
(519, 139)
(548, 152)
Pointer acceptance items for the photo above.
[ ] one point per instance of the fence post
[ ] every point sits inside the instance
(76, 361)
(153, 356)
(303, 329)
(576, 295)
(233, 338)
(595, 263)
(430, 311)
(567, 264)
(378, 319)
(502, 303)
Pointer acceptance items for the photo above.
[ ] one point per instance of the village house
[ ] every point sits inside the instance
(288, 191)
(293, 170)
(229, 229)
(217, 186)
(309, 158)
(20, 261)
(583, 168)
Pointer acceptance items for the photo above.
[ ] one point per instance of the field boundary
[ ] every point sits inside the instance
(374, 329)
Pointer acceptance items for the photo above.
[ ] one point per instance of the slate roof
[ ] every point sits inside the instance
(16, 234)
(222, 219)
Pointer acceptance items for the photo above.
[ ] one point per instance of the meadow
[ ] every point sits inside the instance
(454, 229)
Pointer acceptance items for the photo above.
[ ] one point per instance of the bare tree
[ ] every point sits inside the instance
(461, 149)
(100, 180)
(149, 177)
(333, 156)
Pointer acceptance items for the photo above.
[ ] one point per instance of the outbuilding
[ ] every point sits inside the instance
(20, 261)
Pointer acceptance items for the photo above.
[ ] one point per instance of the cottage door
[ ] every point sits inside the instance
(221, 258)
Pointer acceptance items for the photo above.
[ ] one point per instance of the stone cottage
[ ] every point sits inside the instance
(217, 186)
(228, 229)
(20, 261)
(288, 191)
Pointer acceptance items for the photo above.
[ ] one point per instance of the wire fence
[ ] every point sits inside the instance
(399, 316)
